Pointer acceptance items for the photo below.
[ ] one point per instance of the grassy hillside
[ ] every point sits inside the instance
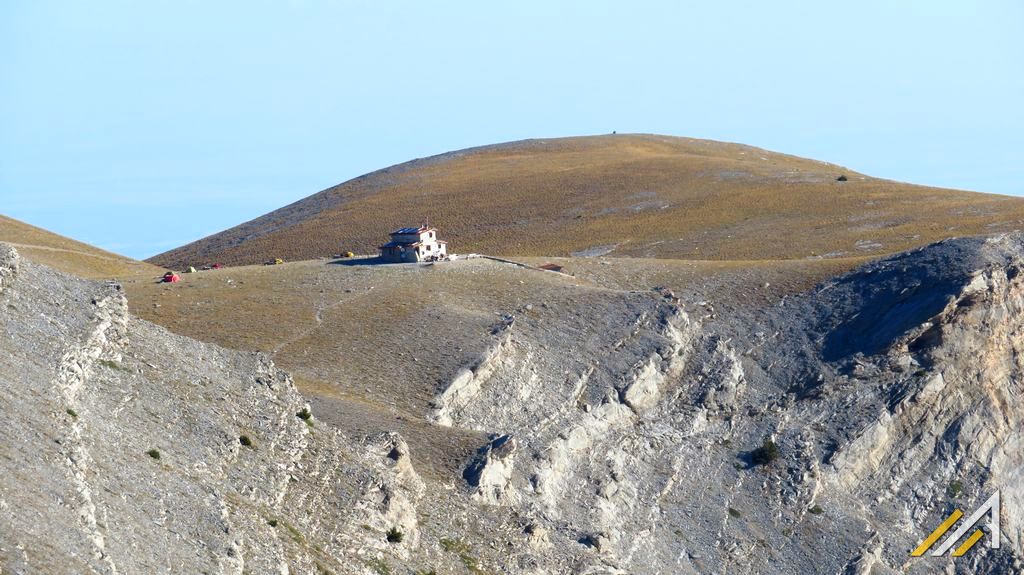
(371, 346)
(66, 254)
(627, 195)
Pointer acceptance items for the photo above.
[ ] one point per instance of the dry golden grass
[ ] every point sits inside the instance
(728, 283)
(646, 195)
(350, 326)
(371, 346)
(68, 255)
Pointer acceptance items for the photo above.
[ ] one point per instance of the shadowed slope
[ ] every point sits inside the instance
(628, 195)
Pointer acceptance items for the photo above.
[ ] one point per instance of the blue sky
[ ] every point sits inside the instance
(140, 126)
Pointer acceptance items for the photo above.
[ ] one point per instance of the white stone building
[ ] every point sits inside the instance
(414, 245)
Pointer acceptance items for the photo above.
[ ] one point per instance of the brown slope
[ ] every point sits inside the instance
(68, 255)
(647, 195)
(371, 345)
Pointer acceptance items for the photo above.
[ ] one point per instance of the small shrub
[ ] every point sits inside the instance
(394, 535)
(471, 563)
(954, 488)
(111, 364)
(766, 454)
(462, 549)
(787, 532)
(244, 440)
(272, 522)
(453, 545)
(295, 533)
(817, 510)
(304, 415)
(841, 178)
(735, 513)
(153, 453)
(379, 566)
(71, 412)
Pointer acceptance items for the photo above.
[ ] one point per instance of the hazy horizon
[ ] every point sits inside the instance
(139, 128)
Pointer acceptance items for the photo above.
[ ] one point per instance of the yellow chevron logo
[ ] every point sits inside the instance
(990, 508)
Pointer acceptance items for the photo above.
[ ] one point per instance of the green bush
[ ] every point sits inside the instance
(379, 566)
(463, 550)
(954, 488)
(766, 454)
(244, 440)
(153, 453)
(394, 535)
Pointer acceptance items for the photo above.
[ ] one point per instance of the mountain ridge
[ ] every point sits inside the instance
(625, 195)
(616, 427)
(66, 254)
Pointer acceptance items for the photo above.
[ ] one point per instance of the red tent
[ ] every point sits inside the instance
(171, 277)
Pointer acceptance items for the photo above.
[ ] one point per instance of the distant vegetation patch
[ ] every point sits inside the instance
(394, 535)
(954, 488)
(463, 550)
(110, 364)
(766, 454)
(378, 566)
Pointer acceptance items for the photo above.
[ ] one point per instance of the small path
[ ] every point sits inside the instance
(66, 250)
(318, 319)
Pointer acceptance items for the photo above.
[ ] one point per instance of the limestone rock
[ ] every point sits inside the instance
(619, 433)
(490, 472)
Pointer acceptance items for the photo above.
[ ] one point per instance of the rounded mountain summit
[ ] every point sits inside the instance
(622, 195)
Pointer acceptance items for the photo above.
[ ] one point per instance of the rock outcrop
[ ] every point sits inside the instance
(128, 449)
(890, 394)
(9, 260)
(629, 432)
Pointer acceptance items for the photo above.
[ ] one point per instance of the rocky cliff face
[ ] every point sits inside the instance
(629, 434)
(890, 393)
(128, 449)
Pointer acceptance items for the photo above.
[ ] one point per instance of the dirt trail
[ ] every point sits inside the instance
(64, 250)
(318, 321)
